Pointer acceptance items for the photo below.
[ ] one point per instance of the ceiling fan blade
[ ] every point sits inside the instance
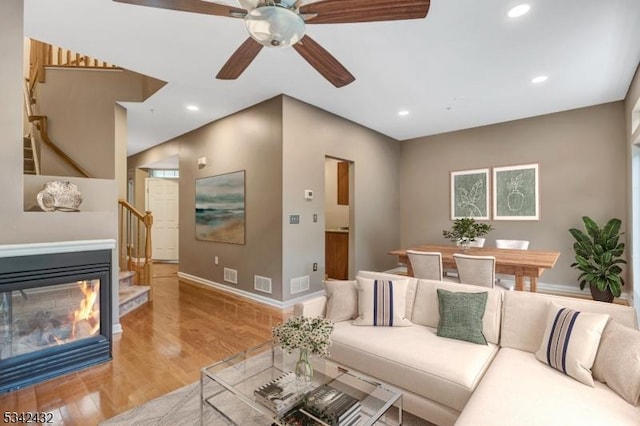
(194, 6)
(323, 62)
(345, 11)
(240, 60)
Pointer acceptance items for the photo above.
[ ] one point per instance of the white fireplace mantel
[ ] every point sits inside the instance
(30, 249)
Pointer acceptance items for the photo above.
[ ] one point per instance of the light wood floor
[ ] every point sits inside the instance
(163, 347)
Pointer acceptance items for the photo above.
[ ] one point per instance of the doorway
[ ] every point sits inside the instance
(338, 215)
(163, 200)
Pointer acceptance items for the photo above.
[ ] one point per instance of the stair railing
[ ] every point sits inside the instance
(40, 123)
(31, 135)
(135, 243)
(44, 55)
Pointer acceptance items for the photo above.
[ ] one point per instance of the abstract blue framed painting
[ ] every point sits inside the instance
(220, 208)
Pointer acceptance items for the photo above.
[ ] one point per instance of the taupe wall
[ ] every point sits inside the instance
(249, 140)
(282, 144)
(581, 156)
(311, 134)
(120, 138)
(80, 106)
(11, 106)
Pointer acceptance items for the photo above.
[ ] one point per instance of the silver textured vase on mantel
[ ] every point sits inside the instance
(59, 195)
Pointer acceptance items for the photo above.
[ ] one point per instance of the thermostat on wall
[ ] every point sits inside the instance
(308, 194)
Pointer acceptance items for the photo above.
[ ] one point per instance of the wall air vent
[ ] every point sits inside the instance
(262, 284)
(231, 276)
(299, 284)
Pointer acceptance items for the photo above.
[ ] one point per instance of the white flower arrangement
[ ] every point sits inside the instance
(311, 334)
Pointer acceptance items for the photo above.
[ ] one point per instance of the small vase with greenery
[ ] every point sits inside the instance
(311, 336)
(465, 230)
(598, 257)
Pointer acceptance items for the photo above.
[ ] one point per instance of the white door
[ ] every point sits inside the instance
(162, 201)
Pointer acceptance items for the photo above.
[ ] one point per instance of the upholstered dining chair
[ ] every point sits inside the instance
(514, 245)
(426, 264)
(452, 275)
(476, 270)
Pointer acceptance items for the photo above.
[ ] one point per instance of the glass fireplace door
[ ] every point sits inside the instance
(33, 319)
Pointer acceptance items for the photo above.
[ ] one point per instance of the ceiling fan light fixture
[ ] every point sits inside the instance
(275, 26)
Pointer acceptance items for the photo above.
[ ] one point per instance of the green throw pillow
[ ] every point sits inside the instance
(461, 315)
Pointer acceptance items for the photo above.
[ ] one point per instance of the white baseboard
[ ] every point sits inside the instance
(248, 295)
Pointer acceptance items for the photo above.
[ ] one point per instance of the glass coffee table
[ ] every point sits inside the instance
(227, 390)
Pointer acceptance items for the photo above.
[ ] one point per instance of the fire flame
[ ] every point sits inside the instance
(88, 310)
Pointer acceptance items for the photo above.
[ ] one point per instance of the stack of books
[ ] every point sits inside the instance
(283, 393)
(332, 406)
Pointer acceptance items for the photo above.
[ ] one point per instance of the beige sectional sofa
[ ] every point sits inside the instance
(447, 381)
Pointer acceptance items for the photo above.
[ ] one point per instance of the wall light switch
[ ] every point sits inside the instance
(315, 217)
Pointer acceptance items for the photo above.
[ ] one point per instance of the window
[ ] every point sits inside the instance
(164, 173)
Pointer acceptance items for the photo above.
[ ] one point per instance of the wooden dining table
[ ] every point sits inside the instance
(519, 263)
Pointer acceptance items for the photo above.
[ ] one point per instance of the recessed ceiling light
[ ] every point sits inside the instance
(193, 108)
(539, 79)
(518, 11)
(403, 113)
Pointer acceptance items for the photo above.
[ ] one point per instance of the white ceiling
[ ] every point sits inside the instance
(466, 65)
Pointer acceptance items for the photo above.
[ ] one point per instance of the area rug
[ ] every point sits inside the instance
(182, 407)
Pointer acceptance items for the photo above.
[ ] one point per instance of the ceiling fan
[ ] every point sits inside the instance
(281, 23)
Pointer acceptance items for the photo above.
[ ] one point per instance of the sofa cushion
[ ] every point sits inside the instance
(570, 341)
(414, 358)
(519, 390)
(525, 314)
(342, 300)
(618, 361)
(461, 315)
(382, 302)
(425, 308)
(411, 286)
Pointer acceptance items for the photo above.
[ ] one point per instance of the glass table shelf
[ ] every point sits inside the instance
(227, 389)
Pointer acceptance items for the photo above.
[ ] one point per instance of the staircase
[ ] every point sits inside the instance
(41, 56)
(131, 296)
(29, 157)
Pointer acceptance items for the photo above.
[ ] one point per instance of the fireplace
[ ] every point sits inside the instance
(55, 315)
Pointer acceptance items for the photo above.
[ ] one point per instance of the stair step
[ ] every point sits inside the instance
(126, 278)
(132, 297)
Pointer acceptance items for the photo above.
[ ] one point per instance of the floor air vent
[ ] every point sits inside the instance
(231, 276)
(262, 284)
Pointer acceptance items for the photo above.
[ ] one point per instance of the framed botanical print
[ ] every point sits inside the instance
(516, 193)
(470, 194)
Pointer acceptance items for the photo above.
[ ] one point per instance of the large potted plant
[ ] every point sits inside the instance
(599, 256)
(465, 230)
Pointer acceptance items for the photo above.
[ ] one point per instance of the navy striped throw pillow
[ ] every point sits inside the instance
(382, 302)
(571, 340)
